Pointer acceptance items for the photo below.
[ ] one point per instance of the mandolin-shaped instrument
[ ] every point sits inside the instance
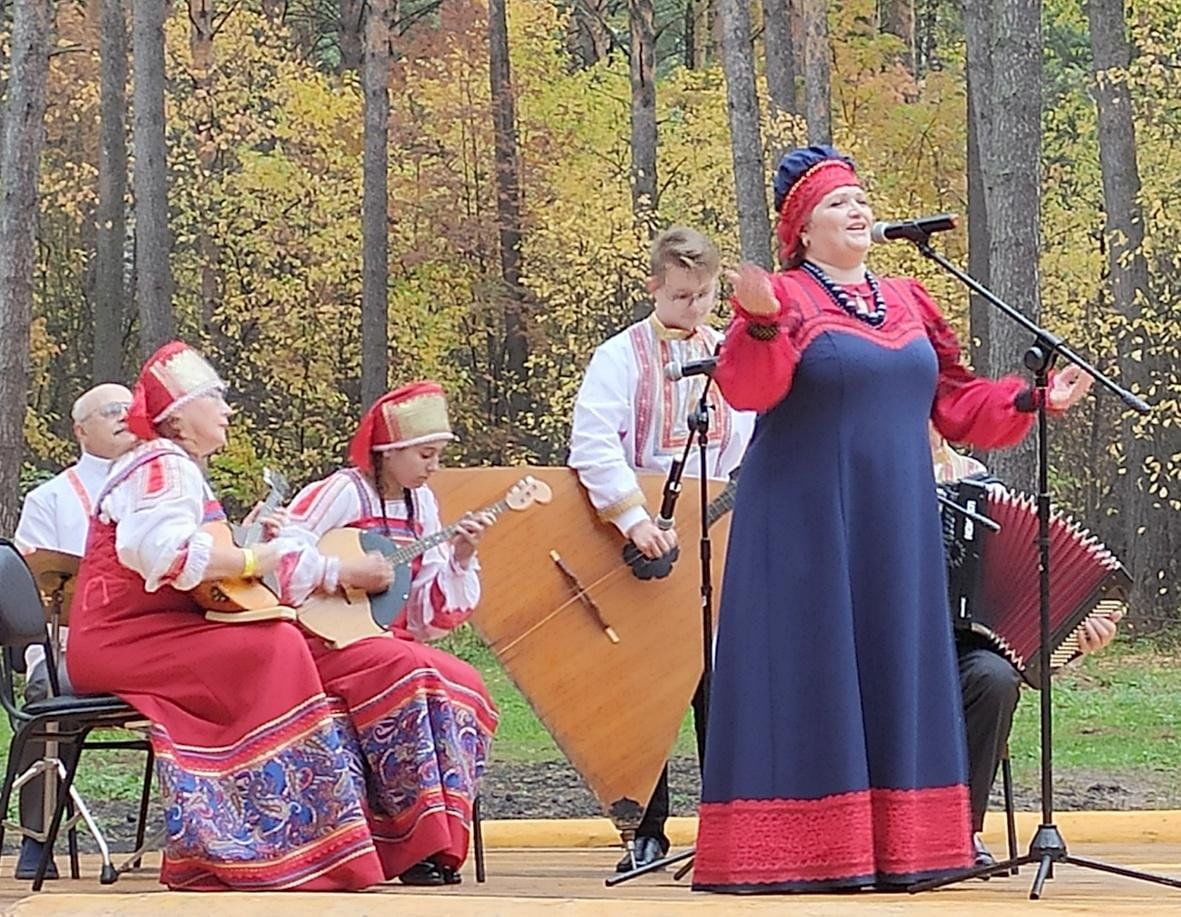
(226, 598)
(350, 615)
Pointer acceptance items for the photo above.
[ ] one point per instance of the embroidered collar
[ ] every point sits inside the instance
(665, 333)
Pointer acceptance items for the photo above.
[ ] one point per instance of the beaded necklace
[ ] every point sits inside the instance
(841, 298)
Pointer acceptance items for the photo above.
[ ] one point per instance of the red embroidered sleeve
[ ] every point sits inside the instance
(173, 572)
(445, 617)
(985, 413)
(759, 355)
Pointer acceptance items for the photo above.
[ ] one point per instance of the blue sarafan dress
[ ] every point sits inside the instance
(836, 753)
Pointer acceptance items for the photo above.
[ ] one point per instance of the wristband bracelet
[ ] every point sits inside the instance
(249, 563)
(762, 332)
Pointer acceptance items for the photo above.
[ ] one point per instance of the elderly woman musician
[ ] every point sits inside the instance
(835, 751)
(264, 782)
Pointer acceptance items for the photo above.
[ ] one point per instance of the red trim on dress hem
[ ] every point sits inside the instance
(872, 832)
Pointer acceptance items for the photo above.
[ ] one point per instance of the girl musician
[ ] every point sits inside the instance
(423, 718)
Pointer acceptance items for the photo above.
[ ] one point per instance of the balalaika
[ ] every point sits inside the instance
(993, 577)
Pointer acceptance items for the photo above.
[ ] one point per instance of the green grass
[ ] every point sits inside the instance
(1119, 711)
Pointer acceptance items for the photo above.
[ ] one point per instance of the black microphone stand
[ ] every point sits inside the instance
(699, 425)
(1048, 846)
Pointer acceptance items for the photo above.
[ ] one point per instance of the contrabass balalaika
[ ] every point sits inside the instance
(993, 576)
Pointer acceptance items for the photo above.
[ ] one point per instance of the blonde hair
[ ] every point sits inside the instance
(680, 246)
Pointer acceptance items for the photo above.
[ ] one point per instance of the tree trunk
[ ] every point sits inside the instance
(979, 311)
(799, 45)
(1151, 530)
(24, 129)
(643, 114)
(896, 17)
(781, 62)
(110, 288)
(375, 206)
(508, 211)
(153, 286)
(589, 39)
(1010, 156)
(746, 142)
(817, 66)
(201, 15)
(696, 34)
(351, 41)
(926, 31)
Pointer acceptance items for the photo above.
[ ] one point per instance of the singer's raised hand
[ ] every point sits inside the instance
(1068, 388)
(753, 290)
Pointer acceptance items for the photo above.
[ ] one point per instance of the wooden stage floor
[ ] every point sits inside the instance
(567, 882)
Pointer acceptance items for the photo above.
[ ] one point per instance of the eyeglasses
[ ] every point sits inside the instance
(111, 411)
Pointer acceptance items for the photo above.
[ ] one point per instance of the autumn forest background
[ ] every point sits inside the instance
(333, 196)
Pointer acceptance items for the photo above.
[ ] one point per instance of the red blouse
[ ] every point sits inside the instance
(760, 354)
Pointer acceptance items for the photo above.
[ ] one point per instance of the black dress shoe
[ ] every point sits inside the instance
(425, 873)
(450, 876)
(30, 856)
(648, 850)
(983, 857)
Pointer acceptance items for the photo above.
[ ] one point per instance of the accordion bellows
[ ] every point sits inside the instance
(994, 577)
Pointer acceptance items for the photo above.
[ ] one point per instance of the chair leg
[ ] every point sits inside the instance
(1010, 815)
(144, 800)
(69, 794)
(478, 839)
(55, 825)
(72, 839)
(16, 749)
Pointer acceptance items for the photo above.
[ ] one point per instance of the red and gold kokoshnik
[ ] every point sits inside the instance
(408, 416)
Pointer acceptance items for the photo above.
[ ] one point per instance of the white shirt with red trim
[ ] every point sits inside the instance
(444, 592)
(158, 511)
(628, 417)
(56, 515)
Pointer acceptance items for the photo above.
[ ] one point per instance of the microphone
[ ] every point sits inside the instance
(915, 230)
(674, 372)
(672, 490)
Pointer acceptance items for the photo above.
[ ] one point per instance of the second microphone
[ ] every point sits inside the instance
(704, 367)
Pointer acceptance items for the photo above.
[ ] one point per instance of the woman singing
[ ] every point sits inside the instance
(835, 753)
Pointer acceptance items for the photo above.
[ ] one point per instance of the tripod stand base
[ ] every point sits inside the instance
(621, 877)
(1046, 849)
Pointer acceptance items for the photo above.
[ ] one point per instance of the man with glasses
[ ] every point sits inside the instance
(56, 515)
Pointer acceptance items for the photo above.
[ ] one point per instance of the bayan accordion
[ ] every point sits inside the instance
(993, 577)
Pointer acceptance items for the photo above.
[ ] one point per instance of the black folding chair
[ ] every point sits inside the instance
(65, 720)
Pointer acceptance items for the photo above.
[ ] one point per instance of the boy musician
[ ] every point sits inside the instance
(629, 417)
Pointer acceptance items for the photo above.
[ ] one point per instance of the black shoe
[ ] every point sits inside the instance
(450, 876)
(648, 850)
(425, 873)
(30, 856)
(983, 857)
